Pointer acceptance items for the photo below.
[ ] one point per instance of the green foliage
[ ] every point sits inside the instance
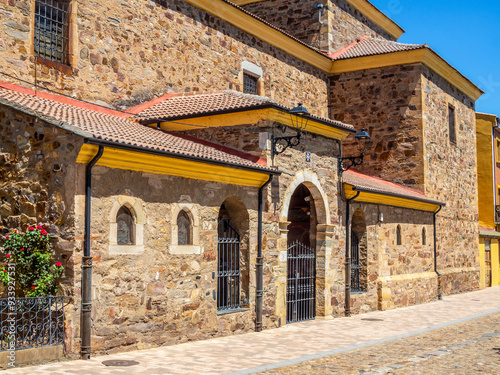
(35, 273)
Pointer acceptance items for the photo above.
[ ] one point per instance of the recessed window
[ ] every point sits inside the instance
(184, 232)
(52, 30)
(398, 235)
(498, 150)
(424, 239)
(250, 84)
(451, 121)
(125, 227)
(228, 276)
(487, 244)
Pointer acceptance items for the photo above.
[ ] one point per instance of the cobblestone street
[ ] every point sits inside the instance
(458, 335)
(472, 347)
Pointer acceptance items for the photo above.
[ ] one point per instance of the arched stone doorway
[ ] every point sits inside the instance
(359, 253)
(301, 257)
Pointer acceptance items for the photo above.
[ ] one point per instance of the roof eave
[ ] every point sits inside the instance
(396, 195)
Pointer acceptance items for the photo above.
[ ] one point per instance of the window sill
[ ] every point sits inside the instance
(63, 68)
(360, 292)
(185, 250)
(126, 249)
(224, 312)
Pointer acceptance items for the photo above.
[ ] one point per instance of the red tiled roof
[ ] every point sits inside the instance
(378, 185)
(98, 123)
(371, 46)
(196, 104)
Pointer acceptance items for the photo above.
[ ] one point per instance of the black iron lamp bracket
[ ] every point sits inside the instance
(347, 162)
(280, 144)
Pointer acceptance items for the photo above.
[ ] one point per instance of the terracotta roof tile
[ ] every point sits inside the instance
(379, 185)
(112, 128)
(176, 106)
(372, 46)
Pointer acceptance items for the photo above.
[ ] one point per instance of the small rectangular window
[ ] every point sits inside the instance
(487, 244)
(52, 30)
(250, 84)
(498, 150)
(451, 120)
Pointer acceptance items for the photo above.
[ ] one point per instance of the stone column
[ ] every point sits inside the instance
(324, 275)
(280, 272)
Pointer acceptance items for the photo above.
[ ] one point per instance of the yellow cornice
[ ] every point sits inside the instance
(252, 117)
(140, 162)
(379, 18)
(264, 32)
(379, 198)
(425, 56)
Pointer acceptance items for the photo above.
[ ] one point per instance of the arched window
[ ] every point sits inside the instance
(184, 232)
(125, 227)
(398, 235)
(424, 240)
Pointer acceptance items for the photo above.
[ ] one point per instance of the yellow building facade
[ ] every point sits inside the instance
(488, 172)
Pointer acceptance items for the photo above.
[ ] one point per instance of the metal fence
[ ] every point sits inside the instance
(31, 322)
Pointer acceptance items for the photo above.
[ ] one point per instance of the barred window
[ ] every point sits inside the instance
(125, 227)
(250, 84)
(184, 236)
(52, 30)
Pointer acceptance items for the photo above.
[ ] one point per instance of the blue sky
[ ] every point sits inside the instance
(466, 33)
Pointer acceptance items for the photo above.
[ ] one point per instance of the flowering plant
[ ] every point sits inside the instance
(35, 273)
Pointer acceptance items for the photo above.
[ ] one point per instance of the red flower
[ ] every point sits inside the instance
(33, 287)
(22, 249)
(4, 271)
(31, 228)
(7, 236)
(58, 264)
(8, 255)
(38, 226)
(43, 232)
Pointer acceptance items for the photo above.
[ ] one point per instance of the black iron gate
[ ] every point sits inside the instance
(228, 275)
(301, 283)
(355, 287)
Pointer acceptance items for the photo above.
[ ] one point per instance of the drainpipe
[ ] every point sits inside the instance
(260, 262)
(348, 255)
(86, 322)
(440, 295)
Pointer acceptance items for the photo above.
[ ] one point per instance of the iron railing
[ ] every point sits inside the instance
(301, 283)
(31, 322)
(228, 276)
(355, 284)
(497, 214)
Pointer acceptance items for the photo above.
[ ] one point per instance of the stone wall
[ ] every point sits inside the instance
(128, 52)
(342, 23)
(451, 176)
(38, 177)
(388, 103)
(397, 275)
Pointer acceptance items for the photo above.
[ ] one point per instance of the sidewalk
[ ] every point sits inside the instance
(253, 352)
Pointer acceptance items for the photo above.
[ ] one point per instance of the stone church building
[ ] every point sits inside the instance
(187, 200)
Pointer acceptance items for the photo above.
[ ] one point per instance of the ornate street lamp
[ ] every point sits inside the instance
(299, 117)
(348, 162)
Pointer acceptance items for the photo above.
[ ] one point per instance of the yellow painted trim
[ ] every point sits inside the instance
(371, 12)
(264, 32)
(497, 149)
(165, 165)
(376, 16)
(425, 56)
(379, 198)
(252, 117)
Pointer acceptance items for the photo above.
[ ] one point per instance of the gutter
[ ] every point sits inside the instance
(259, 265)
(440, 295)
(86, 319)
(145, 150)
(348, 255)
(396, 195)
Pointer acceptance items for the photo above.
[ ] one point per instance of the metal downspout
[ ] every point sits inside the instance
(348, 255)
(86, 322)
(440, 295)
(259, 265)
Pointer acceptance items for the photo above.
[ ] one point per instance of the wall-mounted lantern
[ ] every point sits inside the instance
(299, 117)
(348, 162)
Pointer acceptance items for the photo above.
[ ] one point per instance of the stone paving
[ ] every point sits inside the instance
(296, 343)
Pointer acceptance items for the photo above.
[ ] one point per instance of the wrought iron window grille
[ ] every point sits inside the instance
(31, 322)
(228, 275)
(51, 39)
(250, 84)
